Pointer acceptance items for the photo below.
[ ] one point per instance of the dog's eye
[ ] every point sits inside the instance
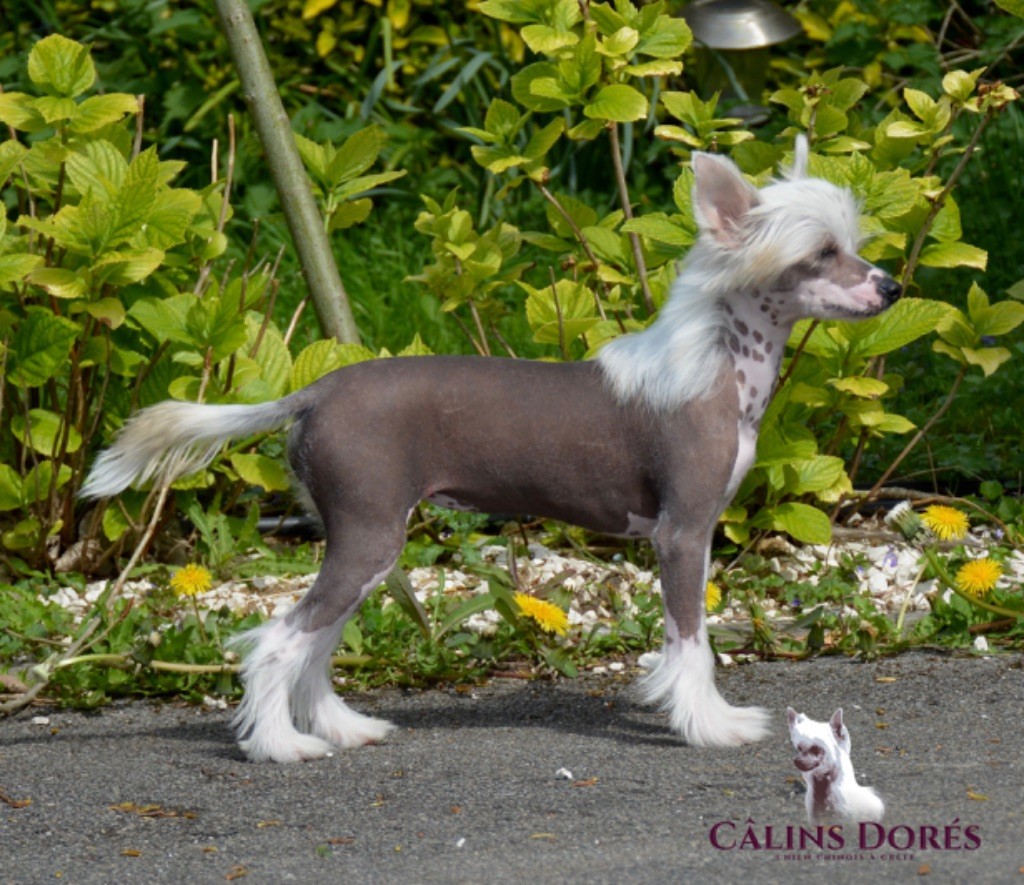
(829, 250)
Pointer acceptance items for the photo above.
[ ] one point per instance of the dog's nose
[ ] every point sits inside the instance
(889, 289)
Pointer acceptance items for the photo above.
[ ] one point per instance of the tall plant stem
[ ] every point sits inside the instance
(940, 200)
(946, 403)
(582, 240)
(627, 210)
(274, 129)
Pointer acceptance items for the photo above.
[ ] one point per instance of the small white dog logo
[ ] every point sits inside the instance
(823, 757)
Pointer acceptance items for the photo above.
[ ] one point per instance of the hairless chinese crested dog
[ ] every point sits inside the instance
(649, 440)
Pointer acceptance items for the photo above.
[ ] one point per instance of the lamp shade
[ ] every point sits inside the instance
(739, 24)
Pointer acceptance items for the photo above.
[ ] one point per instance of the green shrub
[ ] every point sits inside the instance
(109, 302)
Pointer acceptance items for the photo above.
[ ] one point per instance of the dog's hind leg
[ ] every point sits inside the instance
(683, 681)
(286, 671)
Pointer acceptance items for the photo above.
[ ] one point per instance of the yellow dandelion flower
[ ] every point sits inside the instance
(712, 596)
(946, 523)
(191, 580)
(977, 577)
(549, 617)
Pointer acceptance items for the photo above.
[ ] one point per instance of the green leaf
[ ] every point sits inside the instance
(259, 470)
(36, 485)
(511, 11)
(416, 347)
(19, 111)
(123, 268)
(502, 119)
(960, 85)
(56, 109)
(803, 522)
(313, 363)
(658, 226)
(217, 326)
(109, 311)
(890, 423)
(16, 266)
(351, 213)
(497, 158)
(659, 68)
(12, 152)
(98, 167)
(994, 319)
(10, 488)
(905, 321)
(350, 354)
(609, 246)
(558, 659)
(544, 139)
(846, 93)
(40, 347)
(987, 358)
(860, 385)
(43, 431)
(401, 590)
(547, 40)
(170, 216)
(524, 85)
(61, 67)
(667, 37)
(905, 129)
(274, 360)
(98, 111)
(619, 103)
(679, 134)
(562, 315)
(953, 254)
(314, 158)
(164, 318)
(816, 474)
(357, 154)
(619, 43)
(775, 450)
(135, 198)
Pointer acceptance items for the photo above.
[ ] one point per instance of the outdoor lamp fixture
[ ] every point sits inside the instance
(733, 56)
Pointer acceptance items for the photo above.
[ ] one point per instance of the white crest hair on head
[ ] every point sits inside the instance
(800, 151)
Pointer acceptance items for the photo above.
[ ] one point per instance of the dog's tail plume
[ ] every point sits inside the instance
(172, 439)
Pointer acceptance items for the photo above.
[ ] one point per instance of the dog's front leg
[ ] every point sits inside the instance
(683, 682)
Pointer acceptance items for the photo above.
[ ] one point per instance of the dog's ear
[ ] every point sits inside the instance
(721, 197)
(799, 167)
(791, 715)
(839, 731)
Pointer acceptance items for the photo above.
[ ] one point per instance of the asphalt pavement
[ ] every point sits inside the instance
(558, 781)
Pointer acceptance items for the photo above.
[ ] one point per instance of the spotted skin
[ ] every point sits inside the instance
(650, 440)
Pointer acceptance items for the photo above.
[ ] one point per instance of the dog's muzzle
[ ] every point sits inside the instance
(889, 289)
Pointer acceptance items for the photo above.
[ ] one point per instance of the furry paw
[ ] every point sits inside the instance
(291, 746)
(336, 722)
(727, 726)
(683, 685)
